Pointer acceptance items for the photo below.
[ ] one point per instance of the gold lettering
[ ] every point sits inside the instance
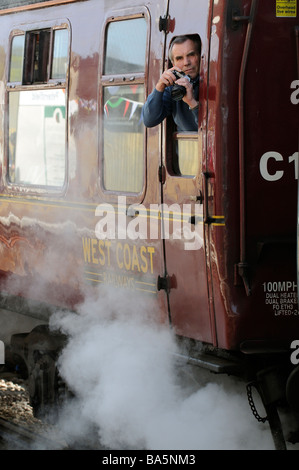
(107, 245)
(86, 249)
(120, 263)
(144, 266)
(102, 253)
(151, 251)
(135, 260)
(127, 257)
(93, 250)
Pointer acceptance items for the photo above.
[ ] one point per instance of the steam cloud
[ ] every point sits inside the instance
(119, 363)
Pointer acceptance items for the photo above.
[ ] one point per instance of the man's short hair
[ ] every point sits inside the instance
(181, 39)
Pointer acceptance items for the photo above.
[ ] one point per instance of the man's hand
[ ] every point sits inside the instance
(189, 96)
(168, 78)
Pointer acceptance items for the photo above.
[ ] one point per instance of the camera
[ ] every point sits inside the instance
(178, 91)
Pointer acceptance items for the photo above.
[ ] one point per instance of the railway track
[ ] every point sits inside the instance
(19, 430)
(17, 437)
(18, 427)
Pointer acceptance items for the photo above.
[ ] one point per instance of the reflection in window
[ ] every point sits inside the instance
(37, 46)
(37, 112)
(30, 56)
(16, 60)
(126, 45)
(187, 155)
(60, 53)
(123, 159)
(37, 136)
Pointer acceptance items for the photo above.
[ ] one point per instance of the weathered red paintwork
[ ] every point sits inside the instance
(216, 295)
(207, 300)
(244, 195)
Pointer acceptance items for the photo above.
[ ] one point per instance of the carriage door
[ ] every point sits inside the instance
(185, 276)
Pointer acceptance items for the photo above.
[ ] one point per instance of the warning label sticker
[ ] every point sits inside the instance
(286, 8)
(281, 296)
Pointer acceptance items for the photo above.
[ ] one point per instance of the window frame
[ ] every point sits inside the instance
(51, 84)
(173, 161)
(122, 79)
(171, 134)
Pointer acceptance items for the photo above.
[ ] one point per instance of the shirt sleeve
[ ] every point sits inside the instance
(157, 107)
(195, 115)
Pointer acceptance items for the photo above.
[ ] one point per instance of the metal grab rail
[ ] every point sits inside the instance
(242, 266)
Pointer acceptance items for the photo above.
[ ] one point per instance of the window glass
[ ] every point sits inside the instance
(37, 137)
(37, 131)
(123, 148)
(187, 155)
(17, 58)
(126, 45)
(60, 53)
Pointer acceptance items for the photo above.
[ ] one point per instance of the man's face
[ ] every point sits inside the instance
(186, 57)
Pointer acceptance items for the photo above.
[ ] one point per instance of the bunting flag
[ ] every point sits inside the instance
(115, 104)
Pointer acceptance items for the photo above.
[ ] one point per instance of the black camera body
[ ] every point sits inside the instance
(178, 91)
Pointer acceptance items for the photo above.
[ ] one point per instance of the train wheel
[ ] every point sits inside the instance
(40, 349)
(42, 389)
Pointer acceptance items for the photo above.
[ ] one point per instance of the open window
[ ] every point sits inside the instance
(123, 81)
(36, 88)
(184, 149)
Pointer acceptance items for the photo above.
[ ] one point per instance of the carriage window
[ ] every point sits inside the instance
(16, 60)
(37, 135)
(37, 111)
(126, 44)
(123, 130)
(184, 148)
(60, 53)
(187, 154)
(123, 138)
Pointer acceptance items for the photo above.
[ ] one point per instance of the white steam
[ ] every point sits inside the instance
(119, 363)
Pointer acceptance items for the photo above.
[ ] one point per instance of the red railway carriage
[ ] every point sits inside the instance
(203, 223)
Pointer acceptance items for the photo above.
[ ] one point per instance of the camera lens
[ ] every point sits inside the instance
(178, 92)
